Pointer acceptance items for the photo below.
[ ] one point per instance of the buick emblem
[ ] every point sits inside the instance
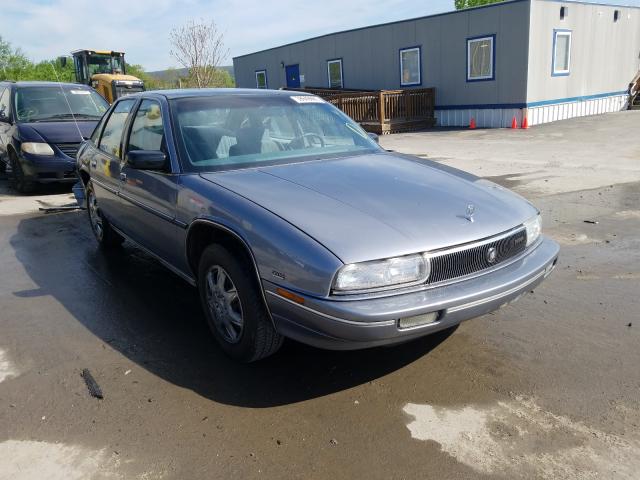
(471, 209)
(492, 255)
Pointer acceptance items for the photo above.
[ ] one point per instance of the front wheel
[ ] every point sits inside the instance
(105, 235)
(234, 307)
(17, 179)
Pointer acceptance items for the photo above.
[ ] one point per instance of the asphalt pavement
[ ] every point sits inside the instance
(548, 387)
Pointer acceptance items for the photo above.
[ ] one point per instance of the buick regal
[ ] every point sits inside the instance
(293, 222)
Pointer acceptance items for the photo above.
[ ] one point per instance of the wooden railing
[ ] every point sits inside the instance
(634, 93)
(384, 111)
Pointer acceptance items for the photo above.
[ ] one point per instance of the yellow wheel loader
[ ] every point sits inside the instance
(106, 72)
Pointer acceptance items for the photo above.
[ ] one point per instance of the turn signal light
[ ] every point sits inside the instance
(290, 295)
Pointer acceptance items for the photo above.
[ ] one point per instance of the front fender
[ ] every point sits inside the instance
(283, 254)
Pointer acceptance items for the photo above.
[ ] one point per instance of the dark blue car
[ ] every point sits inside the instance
(41, 127)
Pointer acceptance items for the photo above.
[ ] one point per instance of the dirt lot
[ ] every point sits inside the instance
(546, 388)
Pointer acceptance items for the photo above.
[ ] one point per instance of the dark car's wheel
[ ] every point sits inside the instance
(234, 307)
(17, 178)
(107, 237)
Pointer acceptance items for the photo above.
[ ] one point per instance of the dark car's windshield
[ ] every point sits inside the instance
(58, 103)
(230, 132)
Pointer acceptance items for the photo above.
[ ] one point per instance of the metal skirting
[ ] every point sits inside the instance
(564, 111)
(503, 117)
(484, 117)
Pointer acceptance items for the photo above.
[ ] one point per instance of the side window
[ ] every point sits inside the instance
(147, 131)
(410, 66)
(112, 134)
(4, 101)
(261, 79)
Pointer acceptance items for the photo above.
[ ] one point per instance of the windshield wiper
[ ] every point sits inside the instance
(68, 115)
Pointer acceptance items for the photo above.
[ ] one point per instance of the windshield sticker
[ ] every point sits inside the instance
(80, 92)
(306, 99)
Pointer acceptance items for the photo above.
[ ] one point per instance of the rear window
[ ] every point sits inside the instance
(58, 103)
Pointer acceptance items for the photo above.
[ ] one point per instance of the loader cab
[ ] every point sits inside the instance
(106, 72)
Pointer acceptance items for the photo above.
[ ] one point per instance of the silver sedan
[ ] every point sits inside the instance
(293, 222)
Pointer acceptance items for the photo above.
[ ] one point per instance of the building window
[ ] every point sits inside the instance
(410, 68)
(481, 58)
(334, 73)
(561, 52)
(261, 79)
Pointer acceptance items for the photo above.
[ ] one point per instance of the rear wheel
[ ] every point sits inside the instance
(234, 307)
(106, 236)
(17, 178)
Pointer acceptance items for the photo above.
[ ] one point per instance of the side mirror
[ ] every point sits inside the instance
(146, 160)
(63, 61)
(4, 118)
(374, 137)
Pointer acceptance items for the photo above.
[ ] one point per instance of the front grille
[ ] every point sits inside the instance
(462, 262)
(69, 149)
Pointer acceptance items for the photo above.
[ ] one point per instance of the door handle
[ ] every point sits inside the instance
(94, 163)
(123, 176)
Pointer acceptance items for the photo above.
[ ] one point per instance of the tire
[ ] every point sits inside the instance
(106, 236)
(17, 179)
(234, 306)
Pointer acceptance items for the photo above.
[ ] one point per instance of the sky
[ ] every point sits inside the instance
(46, 29)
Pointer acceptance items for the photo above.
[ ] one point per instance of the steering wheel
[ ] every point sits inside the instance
(303, 139)
(27, 112)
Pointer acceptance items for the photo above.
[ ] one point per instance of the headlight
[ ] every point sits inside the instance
(534, 229)
(396, 271)
(37, 148)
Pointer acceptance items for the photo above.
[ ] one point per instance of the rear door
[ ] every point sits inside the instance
(149, 197)
(106, 159)
(293, 76)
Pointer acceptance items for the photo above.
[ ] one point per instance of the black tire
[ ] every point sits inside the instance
(256, 338)
(17, 179)
(106, 236)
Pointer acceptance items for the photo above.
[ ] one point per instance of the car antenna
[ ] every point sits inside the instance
(64, 94)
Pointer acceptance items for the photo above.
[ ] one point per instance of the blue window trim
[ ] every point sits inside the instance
(266, 78)
(554, 73)
(419, 48)
(493, 58)
(341, 71)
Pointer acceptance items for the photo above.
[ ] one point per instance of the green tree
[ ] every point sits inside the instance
(461, 4)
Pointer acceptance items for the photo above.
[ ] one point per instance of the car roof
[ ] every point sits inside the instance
(214, 92)
(34, 83)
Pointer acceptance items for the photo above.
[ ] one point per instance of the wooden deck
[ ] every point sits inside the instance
(384, 111)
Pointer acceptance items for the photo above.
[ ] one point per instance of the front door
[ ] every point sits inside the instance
(293, 76)
(105, 161)
(149, 197)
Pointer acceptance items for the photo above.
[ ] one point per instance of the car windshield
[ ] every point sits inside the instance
(58, 103)
(243, 131)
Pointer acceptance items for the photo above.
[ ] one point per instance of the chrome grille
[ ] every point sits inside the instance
(462, 262)
(69, 149)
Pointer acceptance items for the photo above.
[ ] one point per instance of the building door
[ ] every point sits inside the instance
(293, 76)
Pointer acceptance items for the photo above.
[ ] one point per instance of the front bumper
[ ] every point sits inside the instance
(48, 169)
(357, 324)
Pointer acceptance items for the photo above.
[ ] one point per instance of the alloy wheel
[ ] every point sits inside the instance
(94, 215)
(224, 304)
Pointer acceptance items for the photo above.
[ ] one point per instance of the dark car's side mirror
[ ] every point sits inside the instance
(146, 160)
(374, 137)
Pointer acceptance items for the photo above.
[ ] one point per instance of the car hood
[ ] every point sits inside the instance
(56, 132)
(380, 205)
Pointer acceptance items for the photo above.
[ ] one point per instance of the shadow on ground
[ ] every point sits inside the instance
(152, 317)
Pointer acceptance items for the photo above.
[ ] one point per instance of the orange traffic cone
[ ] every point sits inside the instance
(514, 122)
(525, 122)
(472, 125)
